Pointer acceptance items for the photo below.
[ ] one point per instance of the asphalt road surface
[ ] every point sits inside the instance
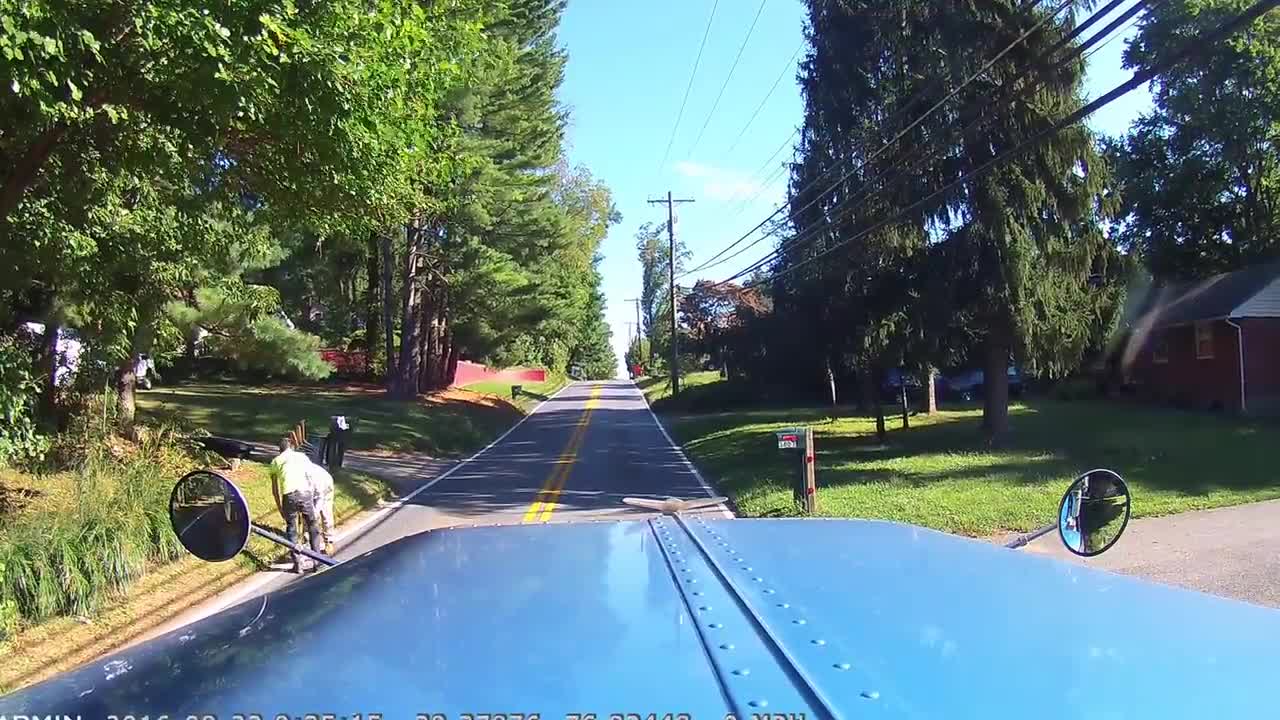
(573, 459)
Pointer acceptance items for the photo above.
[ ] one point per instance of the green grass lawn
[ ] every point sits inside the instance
(939, 474)
(658, 388)
(447, 424)
(531, 393)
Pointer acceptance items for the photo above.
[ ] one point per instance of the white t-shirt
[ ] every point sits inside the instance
(321, 480)
(291, 466)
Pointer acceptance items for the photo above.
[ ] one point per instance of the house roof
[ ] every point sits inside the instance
(1251, 292)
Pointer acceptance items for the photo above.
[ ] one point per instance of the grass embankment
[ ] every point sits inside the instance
(657, 389)
(146, 586)
(530, 393)
(449, 423)
(939, 474)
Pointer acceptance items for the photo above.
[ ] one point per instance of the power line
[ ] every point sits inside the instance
(768, 95)
(1134, 10)
(728, 77)
(1134, 82)
(689, 88)
(764, 185)
(1012, 92)
(876, 154)
(781, 147)
(1088, 23)
(745, 235)
(1123, 30)
(713, 261)
(932, 109)
(917, 96)
(1008, 96)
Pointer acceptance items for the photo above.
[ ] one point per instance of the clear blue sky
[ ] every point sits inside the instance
(629, 65)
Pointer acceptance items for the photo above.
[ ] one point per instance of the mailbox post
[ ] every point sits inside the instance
(805, 486)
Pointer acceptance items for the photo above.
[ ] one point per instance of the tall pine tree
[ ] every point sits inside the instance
(1017, 243)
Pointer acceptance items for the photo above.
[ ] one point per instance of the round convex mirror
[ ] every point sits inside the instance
(1094, 512)
(209, 515)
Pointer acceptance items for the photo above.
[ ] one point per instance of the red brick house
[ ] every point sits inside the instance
(1211, 344)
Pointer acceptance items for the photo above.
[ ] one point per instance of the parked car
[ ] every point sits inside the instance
(891, 386)
(967, 385)
(69, 349)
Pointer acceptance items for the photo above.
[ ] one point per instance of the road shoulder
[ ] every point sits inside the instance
(728, 509)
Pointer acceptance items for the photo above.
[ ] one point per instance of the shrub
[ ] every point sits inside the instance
(19, 386)
(68, 561)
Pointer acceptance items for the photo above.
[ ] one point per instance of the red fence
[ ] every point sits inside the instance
(469, 372)
(354, 363)
(346, 362)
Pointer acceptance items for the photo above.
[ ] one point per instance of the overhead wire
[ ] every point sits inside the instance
(874, 155)
(841, 209)
(756, 113)
(728, 77)
(764, 185)
(1012, 93)
(1120, 34)
(666, 155)
(752, 231)
(1137, 80)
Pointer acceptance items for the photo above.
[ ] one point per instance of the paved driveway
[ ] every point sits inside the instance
(1234, 552)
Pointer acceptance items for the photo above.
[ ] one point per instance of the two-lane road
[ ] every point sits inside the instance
(574, 458)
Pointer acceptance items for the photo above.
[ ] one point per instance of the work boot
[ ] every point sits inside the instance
(328, 548)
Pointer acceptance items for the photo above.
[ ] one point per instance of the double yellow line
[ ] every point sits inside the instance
(545, 503)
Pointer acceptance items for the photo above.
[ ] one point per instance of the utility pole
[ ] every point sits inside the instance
(671, 280)
(640, 330)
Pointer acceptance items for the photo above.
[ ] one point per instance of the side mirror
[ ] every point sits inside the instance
(1094, 512)
(209, 515)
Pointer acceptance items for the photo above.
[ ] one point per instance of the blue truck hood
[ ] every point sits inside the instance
(701, 616)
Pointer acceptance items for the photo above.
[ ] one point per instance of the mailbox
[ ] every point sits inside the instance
(790, 439)
(806, 485)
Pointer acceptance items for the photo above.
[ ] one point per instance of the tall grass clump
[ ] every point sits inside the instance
(68, 557)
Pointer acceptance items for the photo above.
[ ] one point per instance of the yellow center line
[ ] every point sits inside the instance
(545, 504)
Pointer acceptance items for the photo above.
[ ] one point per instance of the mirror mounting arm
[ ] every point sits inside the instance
(318, 557)
(1025, 538)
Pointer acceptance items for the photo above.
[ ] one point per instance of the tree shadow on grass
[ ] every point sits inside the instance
(1181, 453)
(447, 424)
(359, 491)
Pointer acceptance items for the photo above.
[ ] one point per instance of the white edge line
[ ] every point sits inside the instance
(351, 529)
(250, 586)
(680, 451)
